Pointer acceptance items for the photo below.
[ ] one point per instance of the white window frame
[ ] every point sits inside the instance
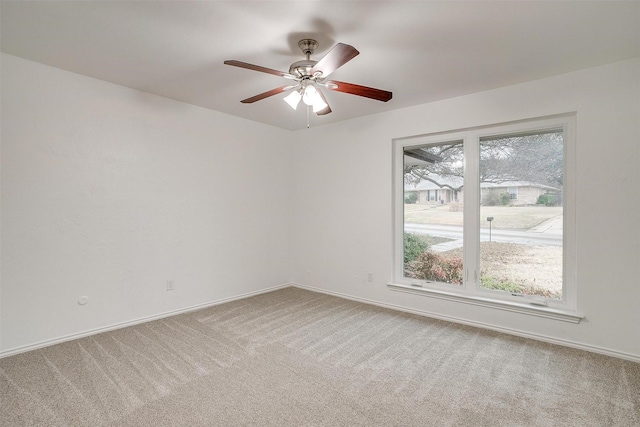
(469, 292)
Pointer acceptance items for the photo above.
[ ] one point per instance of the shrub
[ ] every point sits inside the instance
(414, 245)
(547, 199)
(518, 288)
(491, 198)
(434, 266)
(411, 198)
(491, 283)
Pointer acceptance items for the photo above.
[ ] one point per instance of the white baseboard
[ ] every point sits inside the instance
(538, 337)
(53, 341)
(510, 331)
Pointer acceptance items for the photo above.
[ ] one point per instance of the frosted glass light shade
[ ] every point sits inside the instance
(319, 105)
(310, 95)
(293, 99)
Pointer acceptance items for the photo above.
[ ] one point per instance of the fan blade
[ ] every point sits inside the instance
(259, 68)
(334, 59)
(353, 89)
(325, 110)
(267, 94)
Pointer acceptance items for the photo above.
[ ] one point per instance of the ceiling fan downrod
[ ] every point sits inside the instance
(308, 46)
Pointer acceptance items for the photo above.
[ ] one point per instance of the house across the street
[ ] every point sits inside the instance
(437, 189)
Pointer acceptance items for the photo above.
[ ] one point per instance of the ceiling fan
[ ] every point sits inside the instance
(310, 75)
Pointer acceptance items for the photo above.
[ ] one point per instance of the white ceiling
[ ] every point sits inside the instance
(421, 51)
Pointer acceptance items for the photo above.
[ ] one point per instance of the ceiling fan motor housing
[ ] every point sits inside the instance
(303, 68)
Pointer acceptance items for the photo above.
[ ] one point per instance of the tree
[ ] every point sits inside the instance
(448, 162)
(536, 158)
(533, 158)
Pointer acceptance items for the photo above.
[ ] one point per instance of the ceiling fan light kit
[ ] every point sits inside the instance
(310, 76)
(293, 99)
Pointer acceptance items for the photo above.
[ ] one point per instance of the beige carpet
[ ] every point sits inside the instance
(299, 358)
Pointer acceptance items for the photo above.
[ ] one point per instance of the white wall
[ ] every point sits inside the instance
(342, 210)
(109, 192)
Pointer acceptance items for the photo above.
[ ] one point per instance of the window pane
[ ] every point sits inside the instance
(521, 211)
(433, 199)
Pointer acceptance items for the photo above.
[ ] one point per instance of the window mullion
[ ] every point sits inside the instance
(471, 213)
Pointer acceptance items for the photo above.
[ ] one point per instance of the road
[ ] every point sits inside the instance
(549, 233)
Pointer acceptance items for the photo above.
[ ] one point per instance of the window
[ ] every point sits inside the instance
(500, 229)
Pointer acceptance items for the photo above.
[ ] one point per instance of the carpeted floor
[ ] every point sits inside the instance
(299, 358)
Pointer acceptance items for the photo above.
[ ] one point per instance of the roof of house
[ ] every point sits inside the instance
(506, 184)
(456, 182)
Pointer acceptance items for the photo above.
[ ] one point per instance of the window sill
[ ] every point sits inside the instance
(515, 307)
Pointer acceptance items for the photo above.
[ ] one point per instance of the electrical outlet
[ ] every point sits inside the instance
(369, 277)
(169, 285)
